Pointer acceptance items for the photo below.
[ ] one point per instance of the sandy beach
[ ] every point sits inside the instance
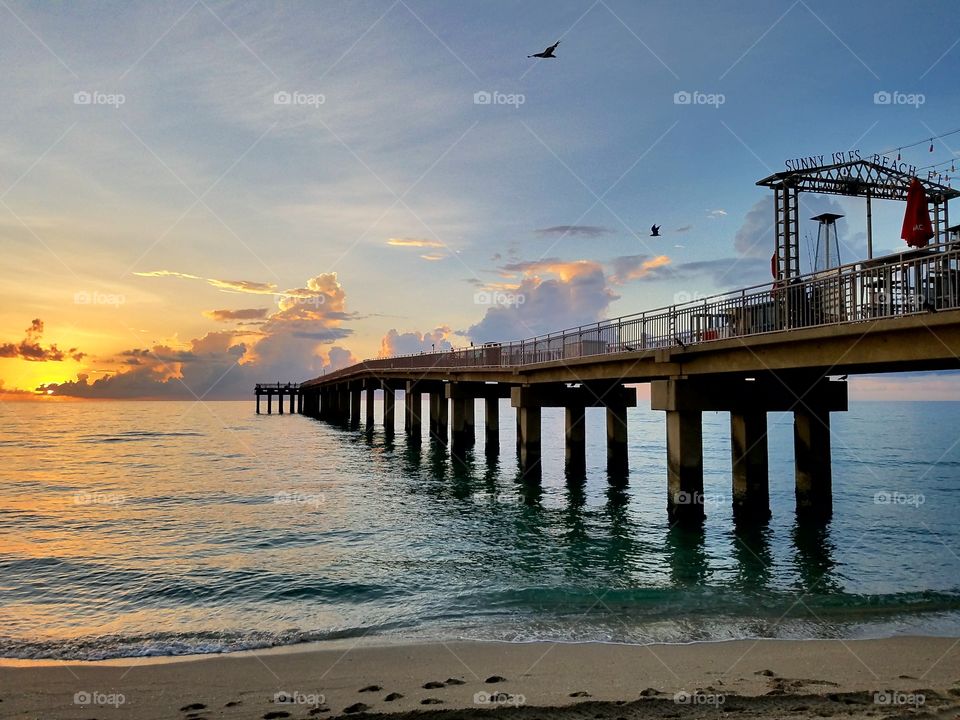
(899, 677)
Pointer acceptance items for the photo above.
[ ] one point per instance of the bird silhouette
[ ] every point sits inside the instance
(655, 231)
(548, 53)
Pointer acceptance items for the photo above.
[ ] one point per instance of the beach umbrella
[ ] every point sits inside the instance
(917, 228)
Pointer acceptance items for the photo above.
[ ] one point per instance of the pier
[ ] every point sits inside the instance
(785, 346)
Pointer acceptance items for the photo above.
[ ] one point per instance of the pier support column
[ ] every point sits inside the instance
(300, 403)
(280, 402)
(293, 401)
(575, 453)
(464, 419)
(519, 433)
(269, 404)
(530, 442)
(685, 466)
(617, 459)
(413, 405)
(492, 425)
(370, 398)
(751, 484)
(811, 446)
(343, 404)
(389, 413)
(258, 403)
(355, 391)
(439, 416)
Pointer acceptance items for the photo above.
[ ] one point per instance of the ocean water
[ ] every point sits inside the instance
(163, 528)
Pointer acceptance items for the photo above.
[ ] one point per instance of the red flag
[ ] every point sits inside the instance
(774, 265)
(917, 228)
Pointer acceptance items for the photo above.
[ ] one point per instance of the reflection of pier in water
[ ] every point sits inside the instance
(749, 352)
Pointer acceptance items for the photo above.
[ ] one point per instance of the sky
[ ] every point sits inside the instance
(197, 196)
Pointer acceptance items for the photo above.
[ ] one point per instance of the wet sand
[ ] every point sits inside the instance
(898, 677)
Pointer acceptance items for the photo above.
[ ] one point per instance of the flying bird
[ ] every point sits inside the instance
(548, 53)
(655, 231)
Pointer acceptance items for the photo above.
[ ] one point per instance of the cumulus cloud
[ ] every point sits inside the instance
(575, 230)
(637, 267)
(32, 350)
(301, 339)
(714, 214)
(547, 295)
(414, 242)
(244, 314)
(408, 343)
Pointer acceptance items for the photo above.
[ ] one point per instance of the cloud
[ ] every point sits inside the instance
(408, 343)
(415, 243)
(433, 257)
(548, 295)
(31, 350)
(714, 214)
(241, 286)
(228, 315)
(575, 230)
(299, 340)
(684, 228)
(636, 267)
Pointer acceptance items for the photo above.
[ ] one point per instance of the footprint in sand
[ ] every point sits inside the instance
(650, 692)
(370, 688)
(495, 679)
(433, 685)
(193, 706)
(393, 696)
(356, 708)
(765, 673)
(580, 693)
(454, 681)
(317, 710)
(276, 714)
(431, 701)
(233, 703)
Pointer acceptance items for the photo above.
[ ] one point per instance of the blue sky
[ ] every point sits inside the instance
(201, 172)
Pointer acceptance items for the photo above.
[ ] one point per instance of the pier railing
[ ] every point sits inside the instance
(275, 387)
(914, 281)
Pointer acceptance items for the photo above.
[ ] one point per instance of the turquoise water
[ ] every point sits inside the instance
(170, 528)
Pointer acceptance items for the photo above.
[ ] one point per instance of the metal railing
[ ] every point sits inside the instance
(270, 387)
(914, 281)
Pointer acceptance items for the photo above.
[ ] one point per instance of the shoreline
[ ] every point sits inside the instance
(765, 676)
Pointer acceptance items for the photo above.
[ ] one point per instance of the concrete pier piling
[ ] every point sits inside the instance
(389, 412)
(492, 425)
(369, 389)
(413, 407)
(811, 398)
(575, 435)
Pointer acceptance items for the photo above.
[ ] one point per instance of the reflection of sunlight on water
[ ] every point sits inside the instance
(166, 527)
